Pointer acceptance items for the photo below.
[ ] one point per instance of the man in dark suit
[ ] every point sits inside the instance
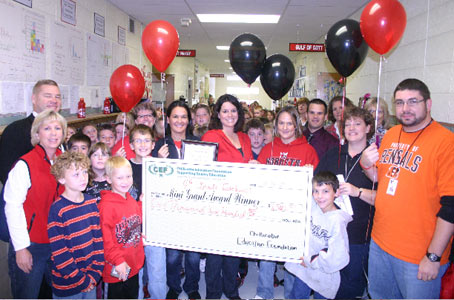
(15, 140)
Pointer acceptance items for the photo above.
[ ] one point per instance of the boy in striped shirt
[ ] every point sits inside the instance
(74, 232)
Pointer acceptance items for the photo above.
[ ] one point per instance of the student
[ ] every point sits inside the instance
(91, 131)
(142, 143)
(99, 154)
(74, 232)
(256, 132)
(121, 222)
(120, 131)
(269, 133)
(144, 113)
(202, 114)
(69, 133)
(328, 243)
(106, 134)
(79, 142)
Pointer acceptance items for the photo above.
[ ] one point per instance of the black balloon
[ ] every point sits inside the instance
(247, 54)
(277, 76)
(345, 46)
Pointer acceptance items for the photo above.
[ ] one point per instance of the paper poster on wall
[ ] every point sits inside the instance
(99, 60)
(64, 91)
(120, 56)
(12, 97)
(28, 91)
(73, 98)
(68, 55)
(22, 43)
(99, 25)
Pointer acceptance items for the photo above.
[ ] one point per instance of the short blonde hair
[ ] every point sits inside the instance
(66, 160)
(45, 117)
(129, 119)
(372, 103)
(116, 162)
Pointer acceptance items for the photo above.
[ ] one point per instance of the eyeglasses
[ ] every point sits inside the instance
(144, 116)
(412, 102)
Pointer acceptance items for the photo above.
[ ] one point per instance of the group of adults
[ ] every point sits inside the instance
(399, 235)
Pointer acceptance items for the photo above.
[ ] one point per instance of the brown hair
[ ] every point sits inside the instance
(347, 104)
(66, 160)
(40, 83)
(291, 110)
(356, 112)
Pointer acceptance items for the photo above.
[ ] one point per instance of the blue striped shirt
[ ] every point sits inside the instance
(76, 243)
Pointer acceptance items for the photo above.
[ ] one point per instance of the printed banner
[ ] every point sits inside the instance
(244, 210)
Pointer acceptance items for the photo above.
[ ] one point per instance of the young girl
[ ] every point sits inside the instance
(98, 154)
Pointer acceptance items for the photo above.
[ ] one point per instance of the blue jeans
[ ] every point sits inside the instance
(220, 276)
(353, 279)
(26, 286)
(301, 290)
(155, 259)
(191, 268)
(392, 278)
(82, 295)
(265, 284)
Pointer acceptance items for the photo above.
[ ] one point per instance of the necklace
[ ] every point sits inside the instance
(411, 145)
(345, 166)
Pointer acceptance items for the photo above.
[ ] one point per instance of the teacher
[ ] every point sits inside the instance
(29, 193)
(178, 119)
(358, 126)
(234, 146)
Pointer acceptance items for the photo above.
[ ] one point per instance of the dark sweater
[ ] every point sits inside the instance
(15, 142)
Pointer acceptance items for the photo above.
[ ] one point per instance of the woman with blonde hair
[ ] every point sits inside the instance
(383, 123)
(29, 192)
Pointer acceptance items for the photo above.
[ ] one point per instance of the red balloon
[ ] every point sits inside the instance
(160, 42)
(127, 86)
(382, 24)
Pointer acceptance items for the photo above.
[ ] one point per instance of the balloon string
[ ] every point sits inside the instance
(377, 142)
(163, 121)
(123, 132)
(344, 92)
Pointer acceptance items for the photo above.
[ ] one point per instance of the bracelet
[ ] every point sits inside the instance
(360, 192)
(362, 166)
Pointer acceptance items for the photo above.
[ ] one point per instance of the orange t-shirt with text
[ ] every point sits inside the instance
(410, 186)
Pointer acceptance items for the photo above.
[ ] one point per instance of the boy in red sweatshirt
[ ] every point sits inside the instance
(121, 224)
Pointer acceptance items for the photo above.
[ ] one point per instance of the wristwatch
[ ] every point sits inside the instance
(433, 257)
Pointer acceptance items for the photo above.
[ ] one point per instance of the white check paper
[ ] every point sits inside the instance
(245, 210)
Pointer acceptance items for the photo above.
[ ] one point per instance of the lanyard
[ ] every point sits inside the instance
(345, 167)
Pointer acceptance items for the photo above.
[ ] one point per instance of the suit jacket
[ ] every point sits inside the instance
(15, 142)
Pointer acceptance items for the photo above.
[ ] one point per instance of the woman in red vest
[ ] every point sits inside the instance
(29, 192)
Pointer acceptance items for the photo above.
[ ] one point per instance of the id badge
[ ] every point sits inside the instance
(392, 186)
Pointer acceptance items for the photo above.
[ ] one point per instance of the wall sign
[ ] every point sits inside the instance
(306, 47)
(121, 36)
(99, 25)
(68, 11)
(186, 53)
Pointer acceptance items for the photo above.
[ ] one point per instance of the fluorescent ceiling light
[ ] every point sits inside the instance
(233, 78)
(242, 90)
(223, 47)
(238, 18)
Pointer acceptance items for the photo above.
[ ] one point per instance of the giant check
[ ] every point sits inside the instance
(245, 210)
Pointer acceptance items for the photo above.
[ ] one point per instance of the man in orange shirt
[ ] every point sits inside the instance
(415, 197)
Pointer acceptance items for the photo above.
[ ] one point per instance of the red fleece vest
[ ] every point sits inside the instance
(42, 193)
